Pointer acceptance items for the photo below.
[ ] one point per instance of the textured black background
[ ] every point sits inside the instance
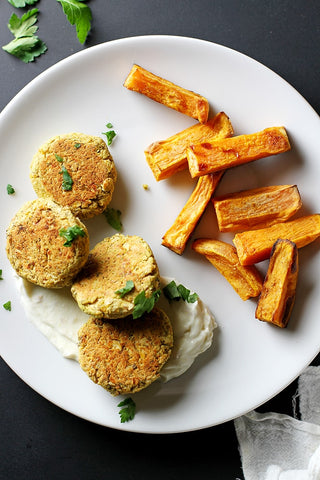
(38, 440)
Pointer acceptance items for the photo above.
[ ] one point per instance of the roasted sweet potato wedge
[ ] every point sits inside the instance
(256, 208)
(279, 288)
(255, 245)
(167, 157)
(209, 157)
(167, 93)
(178, 234)
(246, 281)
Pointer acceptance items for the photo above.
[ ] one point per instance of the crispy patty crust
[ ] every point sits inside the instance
(89, 164)
(126, 355)
(36, 249)
(111, 263)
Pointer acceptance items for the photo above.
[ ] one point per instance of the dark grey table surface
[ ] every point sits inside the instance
(39, 440)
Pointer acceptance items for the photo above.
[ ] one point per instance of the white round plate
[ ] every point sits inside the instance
(250, 361)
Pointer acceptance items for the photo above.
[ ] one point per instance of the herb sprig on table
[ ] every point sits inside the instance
(26, 45)
(78, 14)
(22, 3)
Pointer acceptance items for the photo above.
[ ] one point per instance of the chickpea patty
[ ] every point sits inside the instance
(36, 249)
(111, 263)
(88, 165)
(126, 355)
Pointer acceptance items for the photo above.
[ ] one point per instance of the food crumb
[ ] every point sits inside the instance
(145, 186)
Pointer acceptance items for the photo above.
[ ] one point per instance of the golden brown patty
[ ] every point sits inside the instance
(35, 248)
(111, 264)
(126, 355)
(89, 164)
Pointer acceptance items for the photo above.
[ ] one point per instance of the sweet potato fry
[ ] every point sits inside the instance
(167, 93)
(167, 157)
(256, 208)
(178, 234)
(209, 157)
(279, 288)
(255, 245)
(246, 281)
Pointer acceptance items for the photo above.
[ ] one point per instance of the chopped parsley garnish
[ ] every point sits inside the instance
(177, 292)
(71, 233)
(7, 306)
(78, 14)
(113, 218)
(22, 3)
(123, 291)
(128, 412)
(67, 181)
(10, 189)
(25, 45)
(1, 277)
(110, 134)
(60, 159)
(77, 145)
(143, 304)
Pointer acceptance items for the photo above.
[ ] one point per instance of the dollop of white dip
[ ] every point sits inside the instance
(56, 314)
(193, 325)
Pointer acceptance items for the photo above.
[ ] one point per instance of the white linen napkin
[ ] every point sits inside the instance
(275, 446)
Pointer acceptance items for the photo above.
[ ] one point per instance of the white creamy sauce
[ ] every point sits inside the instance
(193, 326)
(56, 314)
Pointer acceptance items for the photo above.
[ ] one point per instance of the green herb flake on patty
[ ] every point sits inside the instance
(71, 233)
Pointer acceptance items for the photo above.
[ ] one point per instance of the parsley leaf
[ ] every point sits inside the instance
(67, 181)
(78, 14)
(26, 45)
(110, 134)
(60, 159)
(113, 218)
(143, 304)
(176, 292)
(1, 277)
(128, 412)
(22, 3)
(71, 233)
(123, 291)
(10, 189)
(7, 306)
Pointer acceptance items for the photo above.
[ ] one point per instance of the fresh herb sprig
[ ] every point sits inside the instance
(177, 292)
(26, 45)
(67, 181)
(126, 289)
(7, 306)
(10, 189)
(22, 3)
(113, 218)
(78, 14)
(110, 134)
(128, 411)
(143, 304)
(71, 233)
